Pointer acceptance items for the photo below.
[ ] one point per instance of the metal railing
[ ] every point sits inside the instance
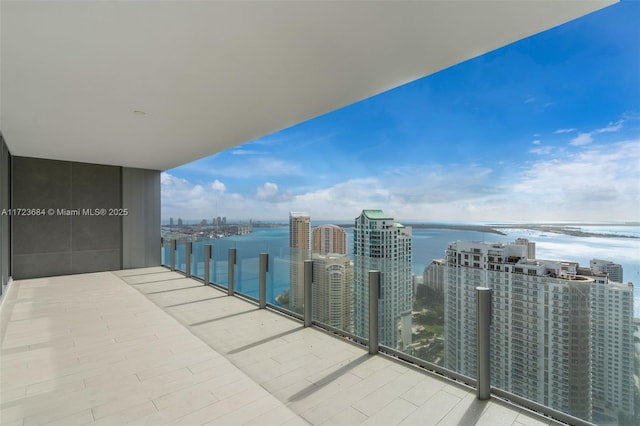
(483, 318)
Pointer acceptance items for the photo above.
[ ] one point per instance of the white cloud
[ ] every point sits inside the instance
(246, 167)
(582, 139)
(536, 142)
(599, 182)
(543, 150)
(218, 186)
(587, 138)
(611, 127)
(559, 131)
(244, 152)
(259, 166)
(270, 192)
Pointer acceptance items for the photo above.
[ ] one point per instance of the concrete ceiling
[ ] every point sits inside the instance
(155, 84)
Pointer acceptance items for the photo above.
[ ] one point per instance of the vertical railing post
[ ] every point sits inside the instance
(231, 271)
(173, 250)
(308, 279)
(208, 249)
(374, 296)
(188, 247)
(264, 268)
(483, 311)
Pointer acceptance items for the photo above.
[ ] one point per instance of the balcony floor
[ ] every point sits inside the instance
(149, 346)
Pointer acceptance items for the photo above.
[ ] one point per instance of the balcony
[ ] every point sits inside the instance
(149, 346)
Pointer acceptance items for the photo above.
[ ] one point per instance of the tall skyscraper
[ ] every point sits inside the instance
(381, 244)
(333, 290)
(612, 348)
(539, 339)
(332, 278)
(613, 270)
(552, 326)
(329, 239)
(300, 250)
(531, 247)
(433, 275)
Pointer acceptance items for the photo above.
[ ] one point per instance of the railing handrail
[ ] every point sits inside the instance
(382, 349)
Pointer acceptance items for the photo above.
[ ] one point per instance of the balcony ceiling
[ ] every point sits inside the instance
(158, 84)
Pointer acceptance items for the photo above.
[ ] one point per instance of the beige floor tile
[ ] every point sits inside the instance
(101, 346)
(498, 414)
(347, 417)
(382, 396)
(281, 414)
(392, 414)
(81, 418)
(526, 418)
(433, 410)
(424, 390)
(128, 415)
(250, 410)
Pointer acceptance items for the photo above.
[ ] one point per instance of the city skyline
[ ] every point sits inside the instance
(547, 128)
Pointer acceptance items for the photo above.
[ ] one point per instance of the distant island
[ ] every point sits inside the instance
(570, 229)
(556, 228)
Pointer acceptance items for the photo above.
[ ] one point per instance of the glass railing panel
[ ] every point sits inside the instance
(411, 320)
(248, 266)
(564, 350)
(333, 287)
(289, 276)
(279, 284)
(219, 271)
(181, 257)
(197, 258)
(165, 253)
(429, 313)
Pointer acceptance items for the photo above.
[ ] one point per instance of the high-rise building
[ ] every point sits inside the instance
(380, 243)
(170, 221)
(613, 270)
(433, 275)
(612, 348)
(333, 290)
(531, 247)
(552, 323)
(329, 239)
(300, 250)
(332, 278)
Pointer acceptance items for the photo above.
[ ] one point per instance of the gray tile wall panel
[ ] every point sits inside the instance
(96, 187)
(5, 261)
(35, 265)
(57, 244)
(95, 261)
(41, 184)
(141, 227)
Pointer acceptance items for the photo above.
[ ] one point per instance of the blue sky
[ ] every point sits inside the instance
(545, 129)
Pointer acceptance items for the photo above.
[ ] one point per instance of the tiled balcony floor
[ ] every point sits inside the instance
(149, 346)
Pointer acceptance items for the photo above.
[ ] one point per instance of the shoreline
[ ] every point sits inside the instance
(571, 229)
(565, 229)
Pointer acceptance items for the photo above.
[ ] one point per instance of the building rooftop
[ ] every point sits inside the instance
(376, 214)
(150, 346)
